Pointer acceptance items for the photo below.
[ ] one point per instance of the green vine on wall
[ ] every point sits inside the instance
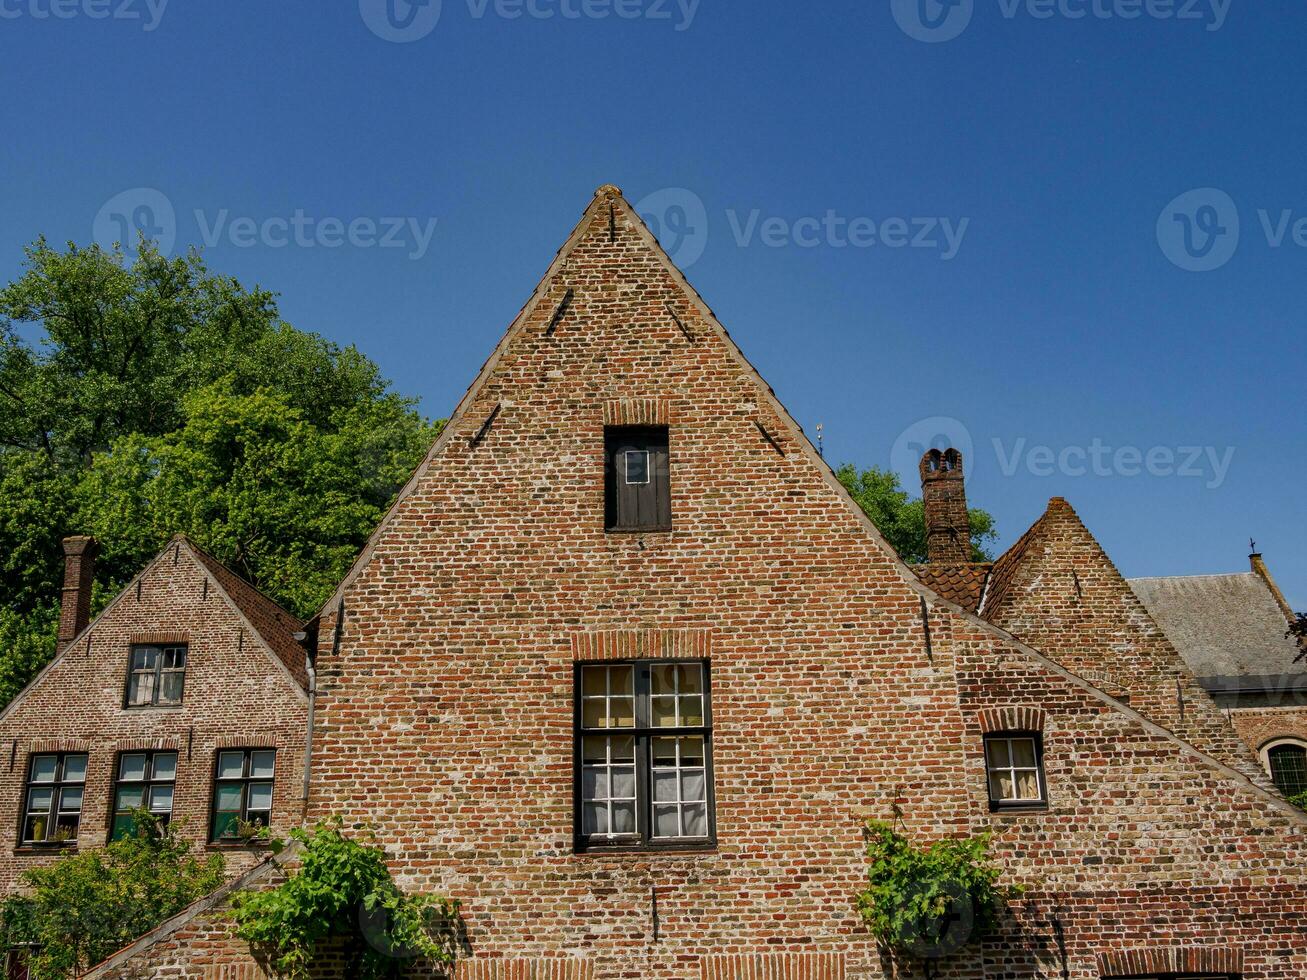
(342, 900)
(928, 902)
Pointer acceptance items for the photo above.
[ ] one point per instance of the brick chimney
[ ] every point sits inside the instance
(75, 603)
(948, 529)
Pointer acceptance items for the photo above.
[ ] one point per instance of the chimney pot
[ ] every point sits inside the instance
(944, 496)
(75, 602)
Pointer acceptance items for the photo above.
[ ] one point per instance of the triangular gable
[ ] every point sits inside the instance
(609, 210)
(204, 565)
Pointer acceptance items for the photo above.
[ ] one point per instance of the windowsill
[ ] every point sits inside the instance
(1039, 806)
(239, 845)
(638, 530)
(67, 847)
(152, 707)
(644, 850)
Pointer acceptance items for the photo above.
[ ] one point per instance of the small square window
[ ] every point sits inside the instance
(637, 467)
(156, 676)
(1015, 768)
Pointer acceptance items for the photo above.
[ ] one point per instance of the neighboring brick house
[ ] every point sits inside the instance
(625, 670)
(1232, 630)
(186, 677)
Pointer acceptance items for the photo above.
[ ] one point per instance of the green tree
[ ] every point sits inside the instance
(146, 396)
(901, 518)
(343, 896)
(86, 906)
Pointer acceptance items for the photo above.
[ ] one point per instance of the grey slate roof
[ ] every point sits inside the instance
(1223, 625)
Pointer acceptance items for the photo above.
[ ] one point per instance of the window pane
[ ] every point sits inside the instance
(65, 828)
(227, 798)
(70, 799)
(165, 765)
(594, 784)
(662, 679)
(692, 785)
(224, 824)
(595, 819)
(260, 796)
(231, 765)
(623, 784)
(261, 763)
(622, 748)
(594, 680)
(131, 768)
(621, 681)
(161, 799)
(1289, 768)
(1004, 784)
(74, 768)
(123, 826)
(594, 713)
(996, 752)
(594, 748)
(39, 800)
(666, 822)
(695, 816)
(129, 798)
(1027, 784)
(637, 466)
(170, 690)
(142, 689)
(692, 750)
(663, 712)
(44, 768)
(692, 711)
(623, 818)
(664, 786)
(174, 658)
(690, 678)
(663, 751)
(36, 826)
(1023, 753)
(144, 658)
(621, 713)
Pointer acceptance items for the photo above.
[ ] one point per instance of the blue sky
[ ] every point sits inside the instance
(1066, 228)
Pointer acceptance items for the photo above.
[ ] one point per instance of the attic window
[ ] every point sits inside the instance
(638, 478)
(1014, 762)
(156, 675)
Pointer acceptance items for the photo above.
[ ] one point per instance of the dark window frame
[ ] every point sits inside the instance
(244, 781)
(57, 787)
(1005, 805)
(643, 732)
(1177, 976)
(1287, 746)
(158, 673)
(655, 441)
(147, 784)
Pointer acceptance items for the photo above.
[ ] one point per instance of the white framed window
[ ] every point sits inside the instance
(1014, 762)
(637, 467)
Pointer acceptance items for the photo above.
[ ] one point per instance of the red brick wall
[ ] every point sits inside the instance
(446, 714)
(1257, 726)
(234, 695)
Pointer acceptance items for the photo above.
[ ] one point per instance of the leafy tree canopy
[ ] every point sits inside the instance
(144, 396)
(901, 518)
(86, 906)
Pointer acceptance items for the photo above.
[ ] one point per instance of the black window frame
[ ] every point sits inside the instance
(652, 439)
(57, 787)
(1005, 805)
(1287, 745)
(643, 732)
(244, 781)
(147, 785)
(158, 672)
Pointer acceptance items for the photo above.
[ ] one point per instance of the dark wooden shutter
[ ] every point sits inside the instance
(638, 506)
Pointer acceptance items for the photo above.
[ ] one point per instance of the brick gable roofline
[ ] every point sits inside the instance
(208, 563)
(551, 290)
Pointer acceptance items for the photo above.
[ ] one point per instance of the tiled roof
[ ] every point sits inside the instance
(963, 583)
(1004, 571)
(1223, 625)
(275, 625)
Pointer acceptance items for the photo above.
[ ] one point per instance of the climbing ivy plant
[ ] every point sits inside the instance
(928, 902)
(342, 899)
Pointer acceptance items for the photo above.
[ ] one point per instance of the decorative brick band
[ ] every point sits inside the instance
(639, 644)
(148, 744)
(159, 638)
(61, 745)
(539, 969)
(1107, 683)
(1012, 719)
(773, 966)
(248, 742)
(1176, 959)
(638, 411)
(234, 971)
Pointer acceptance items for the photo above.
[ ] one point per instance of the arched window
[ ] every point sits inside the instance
(1286, 760)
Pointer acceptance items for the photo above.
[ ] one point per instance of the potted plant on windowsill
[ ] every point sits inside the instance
(926, 903)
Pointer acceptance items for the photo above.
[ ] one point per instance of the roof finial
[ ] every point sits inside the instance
(1252, 546)
(608, 190)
